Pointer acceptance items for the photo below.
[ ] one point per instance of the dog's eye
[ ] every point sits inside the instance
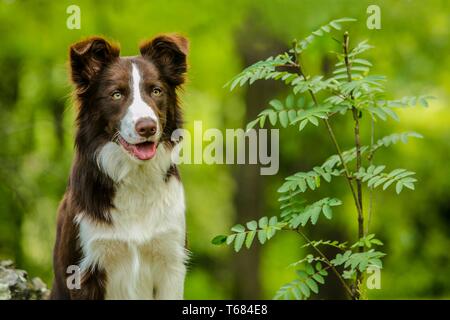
(116, 95)
(156, 91)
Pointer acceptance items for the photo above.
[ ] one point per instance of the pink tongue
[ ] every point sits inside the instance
(144, 151)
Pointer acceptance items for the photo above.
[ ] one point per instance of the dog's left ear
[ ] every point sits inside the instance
(168, 52)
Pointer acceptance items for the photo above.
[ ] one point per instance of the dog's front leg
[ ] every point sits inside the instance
(169, 282)
(169, 269)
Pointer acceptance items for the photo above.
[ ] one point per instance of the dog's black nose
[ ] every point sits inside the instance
(145, 127)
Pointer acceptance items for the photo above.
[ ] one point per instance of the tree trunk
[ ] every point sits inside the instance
(254, 43)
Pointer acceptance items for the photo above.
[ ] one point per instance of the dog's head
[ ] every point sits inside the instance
(130, 101)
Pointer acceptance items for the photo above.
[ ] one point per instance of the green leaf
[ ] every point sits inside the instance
(323, 272)
(263, 222)
(240, 238)
(377, 242)
(396, 172)
(285, 187)
(348, 274)
(303, 124)
(327, 211)
(362, 61)
(230, 239)
(276, 104)
(313, 120)
(325, 28)
(302, 275)
(311, 183)
(290, 101)
(409, 185)
(297, 293)
(249, 239)
(305, 289)
(315, 214)
(252, 225)
(262, 121)
(273, 221)
(238, 228)
(284, 121)
(312, 285)
(380, 181)
(302, 185)
(318, 278)
(309, 269)
(273, 118)
(292, 115)
(335, 25)
(378, 170)
(398, 187)
(251, 124)
(262, 236)
(346, 19)
(335, 202)
(387, 184)
(376, 262)
(270, 232)
(218, 240)
(318, 33)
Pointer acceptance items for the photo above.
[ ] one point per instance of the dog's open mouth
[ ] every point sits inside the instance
(142, 151)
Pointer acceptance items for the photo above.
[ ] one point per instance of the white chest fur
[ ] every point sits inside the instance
(142, 251)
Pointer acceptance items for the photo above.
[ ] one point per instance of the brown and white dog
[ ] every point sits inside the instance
(121, 220)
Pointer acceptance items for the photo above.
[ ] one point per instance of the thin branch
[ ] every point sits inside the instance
(333, 138)
(372, 137)
(355, 112)
(349, 291)
(357, 141)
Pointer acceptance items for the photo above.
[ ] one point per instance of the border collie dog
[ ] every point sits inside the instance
(121, 223)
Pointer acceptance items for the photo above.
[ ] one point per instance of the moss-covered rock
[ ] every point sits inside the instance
(15, 284)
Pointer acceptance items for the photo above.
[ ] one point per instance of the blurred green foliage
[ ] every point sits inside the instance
(36, 131)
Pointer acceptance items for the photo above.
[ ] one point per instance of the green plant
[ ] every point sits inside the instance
(351, 90)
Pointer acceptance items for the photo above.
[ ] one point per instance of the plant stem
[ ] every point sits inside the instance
(329, 263)
(369, 215)
(333, 138)
(355, 113)
(355, 294)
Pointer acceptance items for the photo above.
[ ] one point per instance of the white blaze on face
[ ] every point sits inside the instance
(138, 109)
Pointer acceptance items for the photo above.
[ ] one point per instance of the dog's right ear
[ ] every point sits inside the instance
(88, 58)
